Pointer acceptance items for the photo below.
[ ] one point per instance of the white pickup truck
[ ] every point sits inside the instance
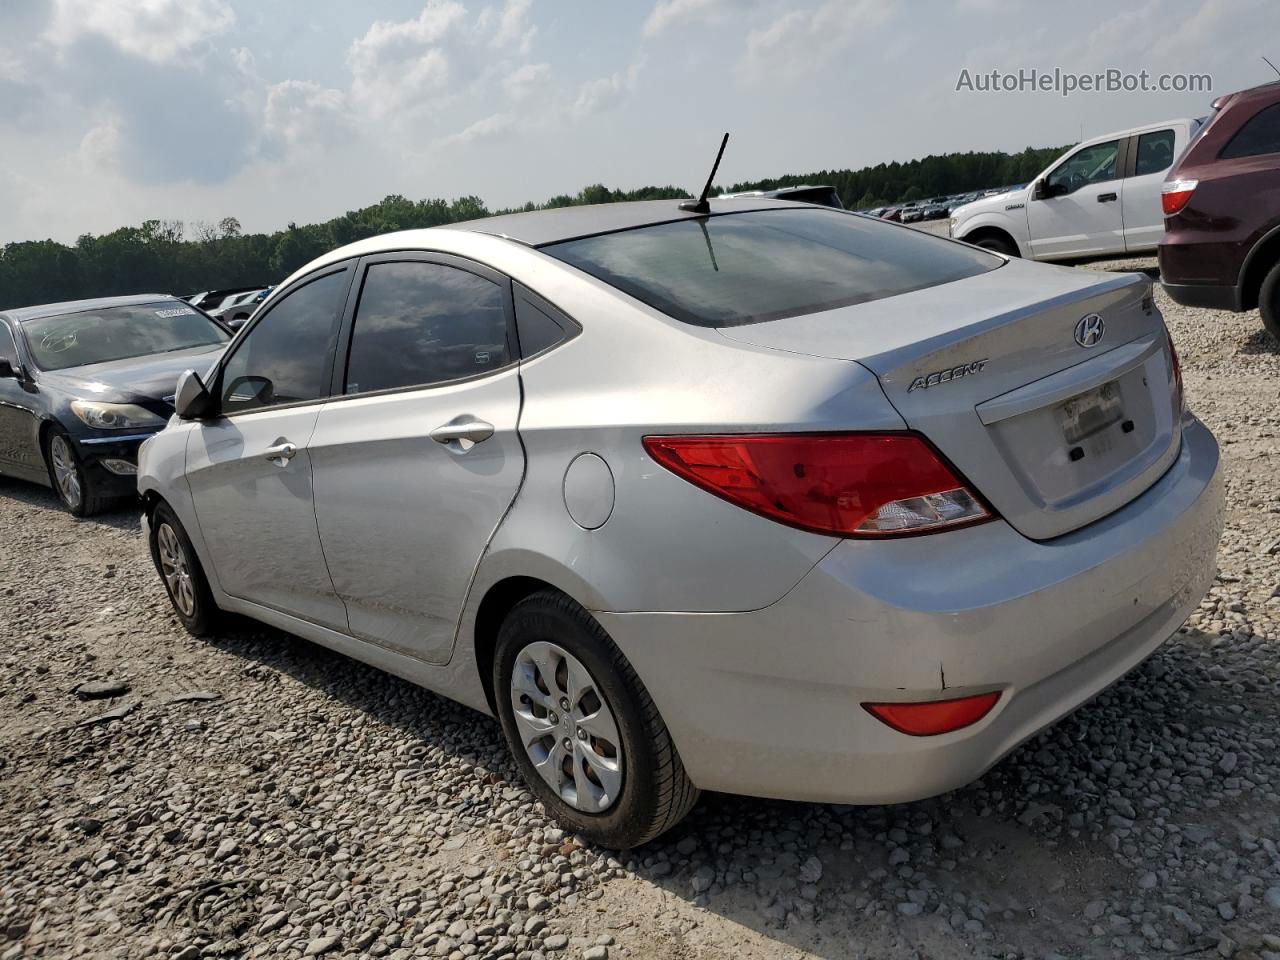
(1100, 197)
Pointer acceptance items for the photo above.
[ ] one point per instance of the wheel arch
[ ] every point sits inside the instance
(499, 600)
(1264, 256)
(991, 230)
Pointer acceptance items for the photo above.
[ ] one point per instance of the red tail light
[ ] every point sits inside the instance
(934, 717)
(853, 485)
(1175, 194)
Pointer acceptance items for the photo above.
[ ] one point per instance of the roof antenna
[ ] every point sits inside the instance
(700, 205)
(1271, 65)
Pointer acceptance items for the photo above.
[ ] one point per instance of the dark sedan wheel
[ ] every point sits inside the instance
(1269, 302)
(69, 479)
(180, 569)
(585, 734)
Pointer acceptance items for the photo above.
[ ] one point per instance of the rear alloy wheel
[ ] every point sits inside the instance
(585, 734)
(180, 569)
(68, 477)
(1269, 302)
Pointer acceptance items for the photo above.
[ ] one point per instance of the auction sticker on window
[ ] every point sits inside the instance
(176, 312)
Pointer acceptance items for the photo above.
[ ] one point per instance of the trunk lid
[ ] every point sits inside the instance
(1052, 433)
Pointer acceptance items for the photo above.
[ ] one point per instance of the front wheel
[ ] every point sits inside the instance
(69, 478)
(996, 245)
(585, 733)
(1269, 302)
(179, 568)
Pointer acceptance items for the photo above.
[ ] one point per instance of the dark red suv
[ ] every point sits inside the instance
(1221, 200)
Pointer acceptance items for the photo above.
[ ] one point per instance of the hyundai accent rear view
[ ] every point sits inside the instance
(773, 499)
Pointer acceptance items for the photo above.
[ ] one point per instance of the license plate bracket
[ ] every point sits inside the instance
(1090, 413)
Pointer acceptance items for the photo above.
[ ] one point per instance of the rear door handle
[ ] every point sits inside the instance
(462, 428)
(281, 453)
(1106, 197)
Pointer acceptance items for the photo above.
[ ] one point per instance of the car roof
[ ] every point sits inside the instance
(22, 314)
(1145, 128)
(540, 227)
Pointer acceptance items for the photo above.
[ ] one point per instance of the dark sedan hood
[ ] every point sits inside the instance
(129, 381)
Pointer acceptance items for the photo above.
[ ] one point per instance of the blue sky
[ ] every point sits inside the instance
(115, 111)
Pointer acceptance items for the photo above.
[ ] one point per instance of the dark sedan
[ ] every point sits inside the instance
(82, 384)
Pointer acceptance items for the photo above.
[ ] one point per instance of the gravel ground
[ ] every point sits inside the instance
(258, 796)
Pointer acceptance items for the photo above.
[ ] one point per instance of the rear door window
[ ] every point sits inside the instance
(1259, 135)
(419, 323)
(1155, 152)
(733, 269)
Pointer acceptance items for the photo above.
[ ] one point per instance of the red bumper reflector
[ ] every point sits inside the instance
(933, 717)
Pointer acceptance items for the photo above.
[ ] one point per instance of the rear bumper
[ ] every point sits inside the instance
(1204, 295)
(767, 703)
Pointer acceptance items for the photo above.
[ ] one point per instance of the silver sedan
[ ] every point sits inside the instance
(776, 499)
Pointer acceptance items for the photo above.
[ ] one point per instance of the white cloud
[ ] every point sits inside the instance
(398, 67)
(512, 26)
(605, 92)
(989, 7)
(672, 13)
(484, 129)
(99, 150)
(155, 30)
(299, 113)
(520, 82)
(804, 41)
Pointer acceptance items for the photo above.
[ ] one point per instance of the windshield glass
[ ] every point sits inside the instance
(117, 333)
(734, 269)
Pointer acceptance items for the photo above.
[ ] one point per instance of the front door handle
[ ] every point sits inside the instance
(1106, 197)
(462, 428)
(281, 453)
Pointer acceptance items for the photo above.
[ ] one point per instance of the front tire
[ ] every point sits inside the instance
(180, 570)
(1269, 302)
(996, 245)
(68, 476)
(586, 736)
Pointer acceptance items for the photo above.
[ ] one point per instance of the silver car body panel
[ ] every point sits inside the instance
(729, 617)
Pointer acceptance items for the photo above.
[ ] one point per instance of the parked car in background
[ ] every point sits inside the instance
(865, 508)
(1221, 246)
(934, 211)
(892, 214)
(912, 214)
(1101, 197)
(237, 308)
(82, 384)
(212, 300)
(823, 196)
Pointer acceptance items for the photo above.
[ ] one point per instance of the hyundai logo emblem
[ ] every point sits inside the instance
(1089, 330)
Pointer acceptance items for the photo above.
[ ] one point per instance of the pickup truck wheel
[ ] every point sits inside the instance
(1269, 302)
(585, 733)
(996, 245)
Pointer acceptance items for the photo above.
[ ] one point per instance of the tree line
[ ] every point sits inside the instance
(172, 256)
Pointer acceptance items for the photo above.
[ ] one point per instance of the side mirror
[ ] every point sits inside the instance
(192, 401)
(1040, 191)
(6, 370)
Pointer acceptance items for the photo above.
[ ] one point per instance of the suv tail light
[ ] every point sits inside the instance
(848, 485)
(1175, 194)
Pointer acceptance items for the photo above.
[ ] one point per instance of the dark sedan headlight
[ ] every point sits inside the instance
(115, 416)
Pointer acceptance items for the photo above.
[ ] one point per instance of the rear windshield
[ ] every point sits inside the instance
(117, 333)
(735, 269)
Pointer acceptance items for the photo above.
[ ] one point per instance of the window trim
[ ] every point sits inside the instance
(13, 338)
(338, 372)
(1122, 159)
(214, 384)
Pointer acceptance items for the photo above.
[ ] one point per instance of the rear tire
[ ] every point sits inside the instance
(68, 477)
(552, 653)
(996, 245)
(1269, 302)
(180, 571)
